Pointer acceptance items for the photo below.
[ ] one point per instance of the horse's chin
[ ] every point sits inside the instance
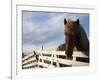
(75, 49)
(68, 54)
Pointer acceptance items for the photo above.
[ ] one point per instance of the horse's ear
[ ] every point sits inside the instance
(65, 21)
(77, 21)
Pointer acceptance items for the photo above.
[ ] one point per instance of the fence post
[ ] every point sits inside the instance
(42, 57)
(56, 60)
(74, 58)
(52, 59)
(38, 60)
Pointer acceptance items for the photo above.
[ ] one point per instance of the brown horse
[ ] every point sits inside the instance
(75, 38)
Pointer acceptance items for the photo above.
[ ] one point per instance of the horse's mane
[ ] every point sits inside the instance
(83, 39)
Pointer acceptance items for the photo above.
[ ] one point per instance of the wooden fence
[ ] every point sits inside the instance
(29, 61)
(52, 59)
(58, 59)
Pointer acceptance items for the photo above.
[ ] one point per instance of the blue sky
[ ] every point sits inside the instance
(47, 28)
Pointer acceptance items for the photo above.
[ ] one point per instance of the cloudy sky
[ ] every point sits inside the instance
(47, 28)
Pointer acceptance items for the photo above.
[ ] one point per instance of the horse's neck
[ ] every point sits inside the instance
(83, 41)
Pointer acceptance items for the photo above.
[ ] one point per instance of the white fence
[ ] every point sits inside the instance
(58, 59)
(51, 59)
(29, 61)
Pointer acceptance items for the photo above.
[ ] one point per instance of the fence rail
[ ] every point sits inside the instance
(51, 59)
